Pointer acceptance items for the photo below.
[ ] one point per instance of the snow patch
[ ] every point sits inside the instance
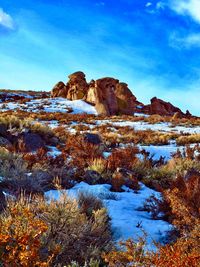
(52, 105)
(124, 211)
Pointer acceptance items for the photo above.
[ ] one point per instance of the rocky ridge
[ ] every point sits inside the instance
(111, 97)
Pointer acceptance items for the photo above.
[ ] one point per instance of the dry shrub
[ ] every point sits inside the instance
(88, 203)
(158, 208)
(12, 166)
(39, 157)
(81, 153)
(155, 118)
(190, 139)
(159, 178)
(98, 164)
(122, 177)
(183, 253)
(80, 227)
(91, 263)
(131, 254)
(180, 165)
(123, 158)
(34, 232)
(184, 200)
(61, 133)
(20, 237)
(43, 130)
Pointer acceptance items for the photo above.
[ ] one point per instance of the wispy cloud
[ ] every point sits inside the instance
(133, 48)
(6, 20)
(100, 3)
(160, 5)
(156, 7)
(187, 42)
(186, 7)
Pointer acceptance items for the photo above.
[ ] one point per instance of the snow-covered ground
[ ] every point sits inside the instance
(156, 151)
(159, 127)
(53, 151)
(51, 105)
(124, 209)
(165, 151)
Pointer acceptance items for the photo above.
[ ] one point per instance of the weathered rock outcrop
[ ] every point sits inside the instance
(126, 101)
(59, 90)
(105, 95)
(108, 95)
(111, 97)
(77, 86)
(160, 107)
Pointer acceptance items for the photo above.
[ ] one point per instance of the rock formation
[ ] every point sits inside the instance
(108, 95)
(127, 102)
(105, 95)
(160, 107)
(111, 97)
(59, 90)
(77, 86)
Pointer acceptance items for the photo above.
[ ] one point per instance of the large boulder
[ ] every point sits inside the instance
(91, 138)
(59, 90)
(77, 85)
(158, 106)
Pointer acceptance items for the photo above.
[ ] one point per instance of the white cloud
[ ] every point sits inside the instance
(186, 7)
(155, 8)
(188, 41)
(6, 20)
(148, 4)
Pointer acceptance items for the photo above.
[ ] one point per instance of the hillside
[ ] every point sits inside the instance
(87, 166)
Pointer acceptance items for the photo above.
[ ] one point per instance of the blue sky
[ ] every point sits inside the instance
(152, 45)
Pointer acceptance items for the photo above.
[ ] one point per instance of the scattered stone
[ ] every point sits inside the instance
(31, 142)
(94, 139)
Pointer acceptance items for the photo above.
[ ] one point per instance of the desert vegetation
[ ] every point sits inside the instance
(42, 151)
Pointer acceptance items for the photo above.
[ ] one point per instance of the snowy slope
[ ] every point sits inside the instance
(123, 209)
(51, 105)
(160, 127)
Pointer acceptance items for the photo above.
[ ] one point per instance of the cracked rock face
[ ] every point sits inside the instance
(105, 95)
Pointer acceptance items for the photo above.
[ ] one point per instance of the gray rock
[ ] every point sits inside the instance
(94, 139)
(32, 141)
